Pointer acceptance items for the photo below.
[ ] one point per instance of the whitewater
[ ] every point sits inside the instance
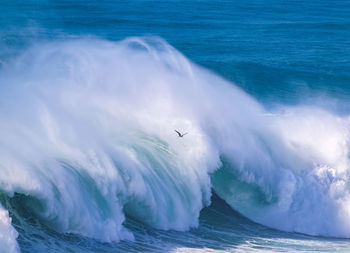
(87, 140)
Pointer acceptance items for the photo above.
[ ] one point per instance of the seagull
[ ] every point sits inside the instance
(180, 135)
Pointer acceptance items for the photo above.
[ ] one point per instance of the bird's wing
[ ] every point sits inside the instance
(178, 132)
(184, 134)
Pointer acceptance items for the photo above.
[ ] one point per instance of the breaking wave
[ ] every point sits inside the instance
(87, 137)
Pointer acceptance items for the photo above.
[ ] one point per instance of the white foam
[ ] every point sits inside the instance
(8, 234)
(87, 130)
(294, 172)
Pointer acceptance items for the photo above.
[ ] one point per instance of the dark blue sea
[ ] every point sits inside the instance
(91, 93)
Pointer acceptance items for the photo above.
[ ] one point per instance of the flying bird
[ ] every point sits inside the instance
(180, 135)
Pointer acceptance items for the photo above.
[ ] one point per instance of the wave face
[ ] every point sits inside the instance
(87, 137)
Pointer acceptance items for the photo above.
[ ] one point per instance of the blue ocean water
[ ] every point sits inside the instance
(90, 95)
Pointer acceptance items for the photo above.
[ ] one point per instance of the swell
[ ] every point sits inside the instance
(87, 137)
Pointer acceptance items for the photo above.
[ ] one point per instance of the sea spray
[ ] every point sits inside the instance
(87, 137)
(8, 234)
(291, 172)
(88, 134)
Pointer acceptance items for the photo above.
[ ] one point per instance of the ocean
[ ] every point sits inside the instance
(91, 94)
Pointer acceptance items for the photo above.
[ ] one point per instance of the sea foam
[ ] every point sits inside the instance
(8, 234)
(87, 138)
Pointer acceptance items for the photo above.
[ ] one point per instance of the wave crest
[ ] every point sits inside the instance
(87, 130)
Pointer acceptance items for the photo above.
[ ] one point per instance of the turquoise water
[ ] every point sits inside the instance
(90, 94)
(286, 47)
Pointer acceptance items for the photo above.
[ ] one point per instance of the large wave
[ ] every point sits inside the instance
(87, 136)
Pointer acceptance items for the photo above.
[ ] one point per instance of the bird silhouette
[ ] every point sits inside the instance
(180, 135)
